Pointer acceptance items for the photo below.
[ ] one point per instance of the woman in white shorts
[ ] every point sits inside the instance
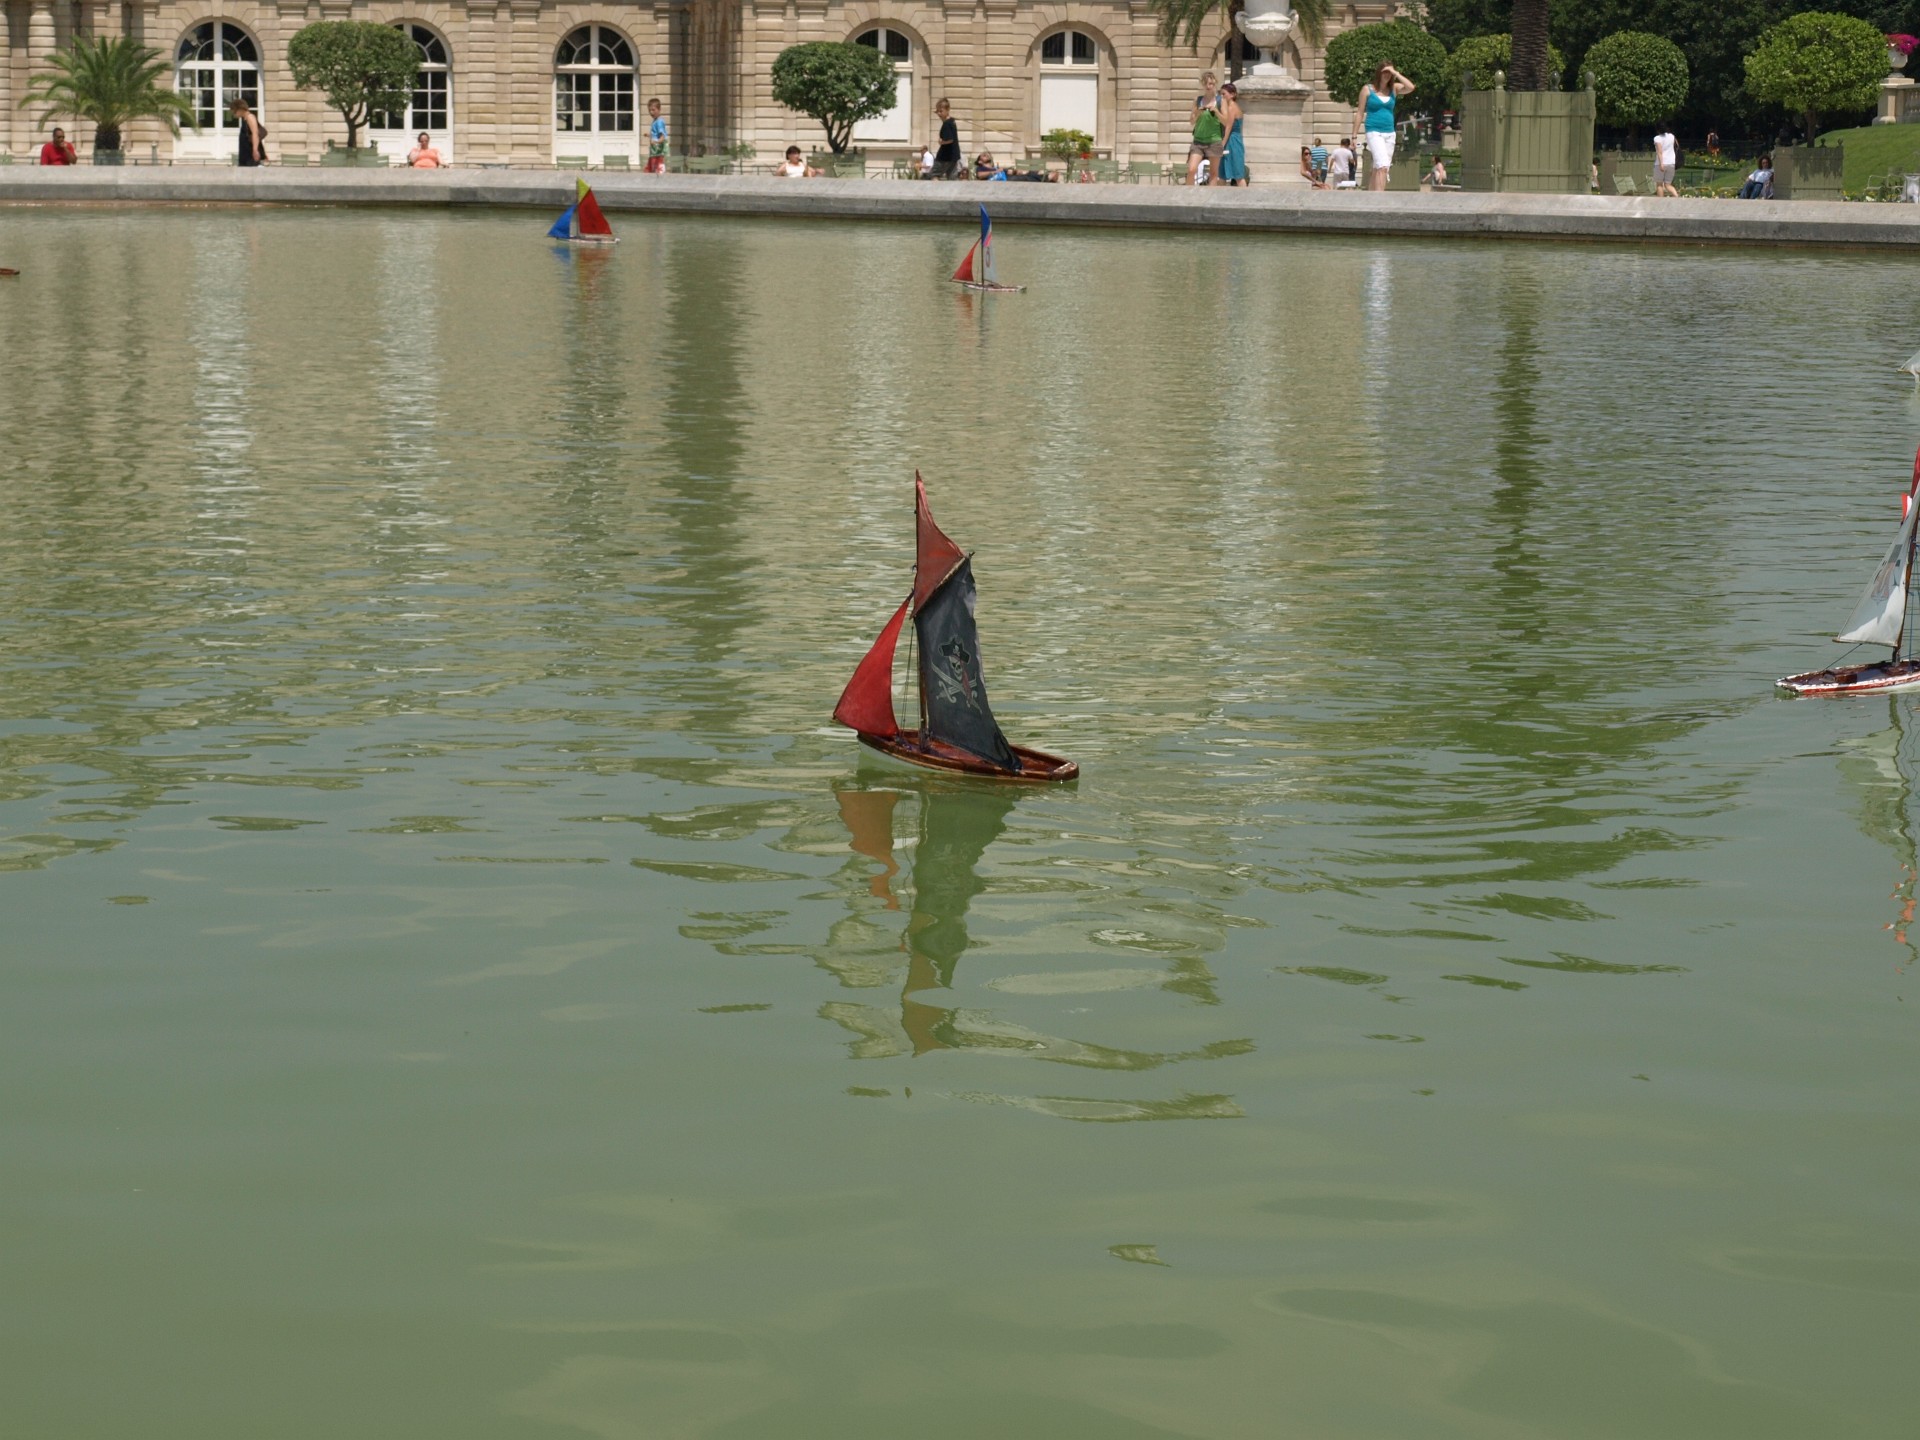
(1373, 114)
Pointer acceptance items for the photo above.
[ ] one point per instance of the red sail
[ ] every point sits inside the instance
(592, 222)
(965, 272)
(866, 705)
(936, 557)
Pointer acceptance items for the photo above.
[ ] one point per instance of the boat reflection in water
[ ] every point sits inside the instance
(956, 824)
(1882, 766)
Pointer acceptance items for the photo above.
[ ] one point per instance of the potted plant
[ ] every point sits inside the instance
(111, 83)
(1899, 47)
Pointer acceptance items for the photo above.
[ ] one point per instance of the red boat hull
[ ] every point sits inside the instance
(1878, 679)
(1036, 766)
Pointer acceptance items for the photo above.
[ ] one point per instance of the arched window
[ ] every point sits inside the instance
(1069, 82)
(218, 64)
(431, 108)
(593, 83)
(896, 126)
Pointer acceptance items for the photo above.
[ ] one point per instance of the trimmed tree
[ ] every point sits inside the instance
(837, 84)
(1354, 55)
(361, 66)
(1638, 79)
(1817, 63)
(1483, 56)
(112, 83)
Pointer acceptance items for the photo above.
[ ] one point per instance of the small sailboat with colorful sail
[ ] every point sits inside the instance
(1879, 619)
(976, 271)
(957, 731)
(582, 221)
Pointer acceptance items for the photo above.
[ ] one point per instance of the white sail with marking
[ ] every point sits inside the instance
(1876, 619)
(1912, 365)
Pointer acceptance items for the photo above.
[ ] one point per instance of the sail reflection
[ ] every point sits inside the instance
(1881, 767)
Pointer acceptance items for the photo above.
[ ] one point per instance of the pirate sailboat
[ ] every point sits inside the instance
(1879, 619)
(957, 729)
(976, 272)
(582, 222)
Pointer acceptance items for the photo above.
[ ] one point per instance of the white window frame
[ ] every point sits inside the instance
(604, 82)
(397, 140)
(896, 126)
(236, 77)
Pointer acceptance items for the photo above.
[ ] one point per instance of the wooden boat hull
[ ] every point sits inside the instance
(989, 289)
(1036, 766)
(1883, 678)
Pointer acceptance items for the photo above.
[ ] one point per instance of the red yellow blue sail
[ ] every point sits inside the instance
(582, 220)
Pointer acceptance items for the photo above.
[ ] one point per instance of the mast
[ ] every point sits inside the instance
(1906, 591)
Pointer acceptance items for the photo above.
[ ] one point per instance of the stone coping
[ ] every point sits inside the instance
(1291, 209)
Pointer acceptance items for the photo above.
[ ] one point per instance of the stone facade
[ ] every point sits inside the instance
(1012, 68)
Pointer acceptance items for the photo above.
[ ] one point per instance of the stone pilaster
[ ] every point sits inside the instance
(1274, 128)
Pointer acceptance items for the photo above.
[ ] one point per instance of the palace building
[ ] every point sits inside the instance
(534, 83)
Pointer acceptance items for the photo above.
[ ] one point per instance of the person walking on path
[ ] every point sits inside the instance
(57, 151)
(1666, 159)
(946, 159)
(1374, 109)
(1340, 166)
(656, 139)
(1209, 130)
(1233, 154)
(253, 135)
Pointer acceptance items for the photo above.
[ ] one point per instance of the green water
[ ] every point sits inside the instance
(455, 983)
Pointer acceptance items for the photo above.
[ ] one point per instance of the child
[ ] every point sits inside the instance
(656, 140)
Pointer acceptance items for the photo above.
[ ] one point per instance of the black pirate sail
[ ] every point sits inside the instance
(957, 729)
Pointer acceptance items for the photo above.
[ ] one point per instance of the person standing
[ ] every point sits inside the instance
(57, 151)
(946, 159)
(1209, 130)
(1317, 152)
(1233, 154)
(253, 135)
(1340, 166)
(656, 139)
(1666, 159)
(1375, 110)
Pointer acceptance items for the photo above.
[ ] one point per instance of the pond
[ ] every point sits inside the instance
(456, 982)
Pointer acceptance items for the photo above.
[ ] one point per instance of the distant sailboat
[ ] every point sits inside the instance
(976, 272)
(1879, 619)
(582, 222)
(957, 729)
(1911, 366)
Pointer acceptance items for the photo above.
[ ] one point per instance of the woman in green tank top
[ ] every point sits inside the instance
(1209, 130)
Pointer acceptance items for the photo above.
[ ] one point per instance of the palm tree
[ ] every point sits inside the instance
(1184, 19)
(1527, 69)
(112, 83)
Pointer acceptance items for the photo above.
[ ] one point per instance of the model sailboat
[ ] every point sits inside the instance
(976, 272)
(583, 222)
(957, 729)
(1879, 619)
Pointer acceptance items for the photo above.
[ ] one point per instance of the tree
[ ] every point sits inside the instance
(837, 84)
(1353, 56)
(1484, 56)
(1638, 79)
(112, 83)
(362, 66)
(1532, 57)
(1183, 20)
(1818, 61)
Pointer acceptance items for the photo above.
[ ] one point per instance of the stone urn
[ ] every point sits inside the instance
(1896, 59)
(1266, 32)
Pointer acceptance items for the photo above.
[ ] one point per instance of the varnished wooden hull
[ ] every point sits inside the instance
(1879, 679)
(989, 289)
(1036, 766)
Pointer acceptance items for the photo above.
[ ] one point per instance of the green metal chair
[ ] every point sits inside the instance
(709, 165)
(1143, 172)
(1102, 171)
(570, 162)
(616, 162)
(1624, 185)
(291, 157)
(850, 167)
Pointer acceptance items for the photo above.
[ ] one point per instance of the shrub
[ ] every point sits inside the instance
(363, 67)
(1818, 62)
(1352, 56)
(1482, 56)
(1066, 144)
(837, 84)
(1638, 79)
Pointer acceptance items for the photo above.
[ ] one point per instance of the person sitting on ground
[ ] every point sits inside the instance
(57, 151)
(1310, 172)
(1437, 176)
(795, 167)
(985, 169)
(1759, 184)
(423, 156)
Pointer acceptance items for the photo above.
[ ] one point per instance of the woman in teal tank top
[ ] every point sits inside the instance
(1374, 114)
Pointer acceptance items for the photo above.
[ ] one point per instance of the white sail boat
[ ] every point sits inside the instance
(1911, 366)
(1879, 619)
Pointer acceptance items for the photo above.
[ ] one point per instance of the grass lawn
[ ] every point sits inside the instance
(1876, 150)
